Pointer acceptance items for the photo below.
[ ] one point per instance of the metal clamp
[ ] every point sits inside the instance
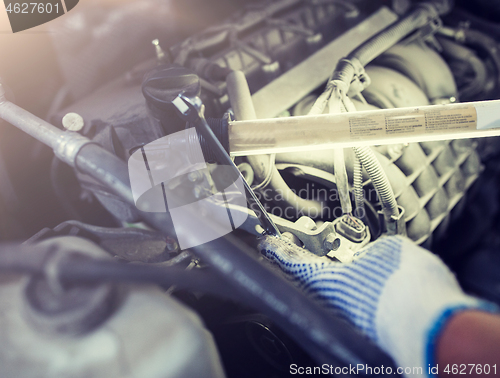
(69, 145)
(397, 225)
(361, 80)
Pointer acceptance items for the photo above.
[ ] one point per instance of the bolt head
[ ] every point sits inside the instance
(172, 245)
(332, 242)
(73, 122)
(194, 176)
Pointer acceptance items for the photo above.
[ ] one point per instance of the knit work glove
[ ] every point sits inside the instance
(398, 294)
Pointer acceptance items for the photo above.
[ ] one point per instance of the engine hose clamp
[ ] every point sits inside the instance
(69, 145)
(344, 71)
(350, 77)
(434, 8)
(360, 74)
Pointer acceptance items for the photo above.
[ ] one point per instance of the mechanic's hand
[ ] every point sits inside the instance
(398, 294)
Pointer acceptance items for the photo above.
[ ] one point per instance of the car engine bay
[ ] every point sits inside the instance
(110, 289)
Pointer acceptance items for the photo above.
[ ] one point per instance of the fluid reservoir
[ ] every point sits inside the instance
(144, 333)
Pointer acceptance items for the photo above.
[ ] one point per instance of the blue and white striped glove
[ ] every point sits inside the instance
(398, 294)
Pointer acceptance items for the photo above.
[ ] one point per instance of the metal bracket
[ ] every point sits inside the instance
(318, 240)
(397, 225)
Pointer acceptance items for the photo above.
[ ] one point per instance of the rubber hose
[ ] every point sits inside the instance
(345, 71)
(106, 168)
(247, 172)
(480, 23)
(381, 42)
(241, 102)
(456, 51)
(488, 44)
(359, 195)
(379, 180)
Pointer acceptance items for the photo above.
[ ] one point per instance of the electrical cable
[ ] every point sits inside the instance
(359, 195)
(476, 85)
(487, 44)
(77, 268)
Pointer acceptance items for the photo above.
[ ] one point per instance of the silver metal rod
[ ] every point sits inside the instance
(65, 144)
(374, 127)
(30, 124)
